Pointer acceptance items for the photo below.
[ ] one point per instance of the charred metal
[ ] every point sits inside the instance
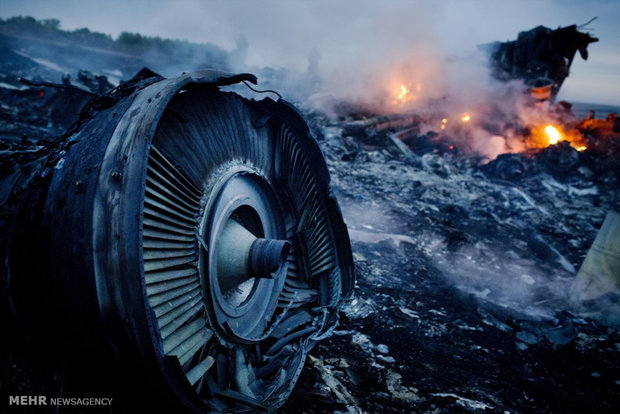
(542, 57)
(206, 250)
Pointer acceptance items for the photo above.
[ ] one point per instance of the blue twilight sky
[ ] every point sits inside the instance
(353, 33)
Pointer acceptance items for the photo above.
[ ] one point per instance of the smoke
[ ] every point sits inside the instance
(325, 53)
(499, 274)
(507, 280)
(402, 58)
(520, 272)
(342, 57)
(354, 38)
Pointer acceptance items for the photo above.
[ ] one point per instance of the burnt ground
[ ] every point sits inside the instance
(463, 279)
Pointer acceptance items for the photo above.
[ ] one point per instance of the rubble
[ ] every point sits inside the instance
(464, 273)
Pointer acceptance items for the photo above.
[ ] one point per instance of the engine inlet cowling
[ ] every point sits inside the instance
(191, 228)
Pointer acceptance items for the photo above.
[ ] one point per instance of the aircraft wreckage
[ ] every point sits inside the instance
(191, 229)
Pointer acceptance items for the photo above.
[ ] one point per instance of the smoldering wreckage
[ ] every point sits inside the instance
(134, 213)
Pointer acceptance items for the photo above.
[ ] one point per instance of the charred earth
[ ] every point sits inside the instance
(464, 272)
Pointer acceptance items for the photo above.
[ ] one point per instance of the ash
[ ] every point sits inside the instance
(463, 278)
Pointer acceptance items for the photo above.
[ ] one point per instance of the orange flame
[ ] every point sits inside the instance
(403, 95)
(544, 136)
(406, 92)
(465, 118)
(553, 134)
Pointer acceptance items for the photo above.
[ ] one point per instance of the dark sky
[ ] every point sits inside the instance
(354, 34)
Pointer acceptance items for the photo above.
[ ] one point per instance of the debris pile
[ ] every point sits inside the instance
(464, 276)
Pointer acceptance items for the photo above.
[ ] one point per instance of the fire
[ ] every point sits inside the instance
(553, 134)
(465, 117)
(404, 94)
(544, 136)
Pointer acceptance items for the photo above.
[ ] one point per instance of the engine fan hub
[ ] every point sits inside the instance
(242, 227)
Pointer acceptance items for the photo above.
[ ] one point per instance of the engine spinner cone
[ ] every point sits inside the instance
(242, 256)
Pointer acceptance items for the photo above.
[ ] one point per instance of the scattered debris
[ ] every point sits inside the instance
(465, 269)
(465, 402)
(339, 391)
